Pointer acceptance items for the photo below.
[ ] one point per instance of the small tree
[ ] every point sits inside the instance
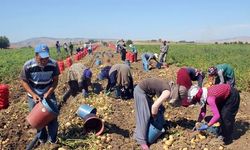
(129, 42)
(4, 42)
(216, 43)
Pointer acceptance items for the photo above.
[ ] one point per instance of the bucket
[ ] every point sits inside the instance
(42, 114)
(156, 126)
(61, 66)
(84, 110)
(76, 57)
(154, 133)
(68, 62)
(4, 96)
(93, 124)
(98, 62)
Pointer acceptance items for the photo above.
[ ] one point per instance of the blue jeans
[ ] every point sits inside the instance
(145, 64)
(52, 126)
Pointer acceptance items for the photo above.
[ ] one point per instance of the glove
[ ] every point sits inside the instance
(203, 127)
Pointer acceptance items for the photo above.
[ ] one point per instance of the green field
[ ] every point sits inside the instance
(194, 55)
(204, 56)
(12, 60)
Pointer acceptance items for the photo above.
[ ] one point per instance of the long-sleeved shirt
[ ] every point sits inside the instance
(119, 74)
(225, 71)
(216, 94)
(183, 78)
(164, 48)
(148, 56)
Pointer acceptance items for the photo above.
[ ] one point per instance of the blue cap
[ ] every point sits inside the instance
(42, 50)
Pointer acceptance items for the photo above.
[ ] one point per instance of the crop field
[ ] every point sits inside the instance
(203, 56)
(119, 115)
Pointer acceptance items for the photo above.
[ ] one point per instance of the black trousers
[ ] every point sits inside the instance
(228, 111)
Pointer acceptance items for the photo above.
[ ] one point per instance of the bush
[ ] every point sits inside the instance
(4, 42)
(129, 42)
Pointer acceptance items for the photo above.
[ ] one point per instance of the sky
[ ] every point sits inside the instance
(127, 19)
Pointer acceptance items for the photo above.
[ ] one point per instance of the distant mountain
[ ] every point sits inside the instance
(234, 39)
(51, 41)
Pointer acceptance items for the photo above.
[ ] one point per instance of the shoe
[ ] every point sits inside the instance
(42, 141)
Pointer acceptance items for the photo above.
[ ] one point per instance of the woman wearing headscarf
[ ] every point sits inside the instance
(223, 73)
(147, 109)
(223, 101)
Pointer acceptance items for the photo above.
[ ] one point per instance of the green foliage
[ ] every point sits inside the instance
(12, 60)
(129, 42)
(4, 42)
(204, 56)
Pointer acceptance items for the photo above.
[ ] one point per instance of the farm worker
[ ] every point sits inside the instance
(71, 48)
(104, 74)
(146, 108)
(58, 47)
(196, 75)
(122, 49)
(65, 46)
(163, 51)
(39, 77)
(134, 51)
(185, 76)
(223, 101)
(79, 79)
(120, 82)
(146, 58)
(90, 49)
(223, 73)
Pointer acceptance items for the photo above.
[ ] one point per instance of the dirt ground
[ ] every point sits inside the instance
(119, 119)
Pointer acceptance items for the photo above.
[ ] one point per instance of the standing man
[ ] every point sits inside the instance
(58, 50)
(39, 77)
(65, 46)
(71, 48)
(163, 51)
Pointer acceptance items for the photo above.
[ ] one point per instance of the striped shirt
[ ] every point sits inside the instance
(39, 78)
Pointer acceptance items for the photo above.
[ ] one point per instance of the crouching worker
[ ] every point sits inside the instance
(223, 101)
(223, 73)
(79, 79)
(39, 78)
(146, 58)
(120, 82)
(146, 109)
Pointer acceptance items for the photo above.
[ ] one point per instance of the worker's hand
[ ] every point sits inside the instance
(154, 110)
(36, 98)
(46, 95)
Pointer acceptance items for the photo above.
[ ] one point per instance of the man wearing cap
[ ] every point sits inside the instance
(79, 78)
(146, 58)
(163, 51)
(39, 77)
(147, 109)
